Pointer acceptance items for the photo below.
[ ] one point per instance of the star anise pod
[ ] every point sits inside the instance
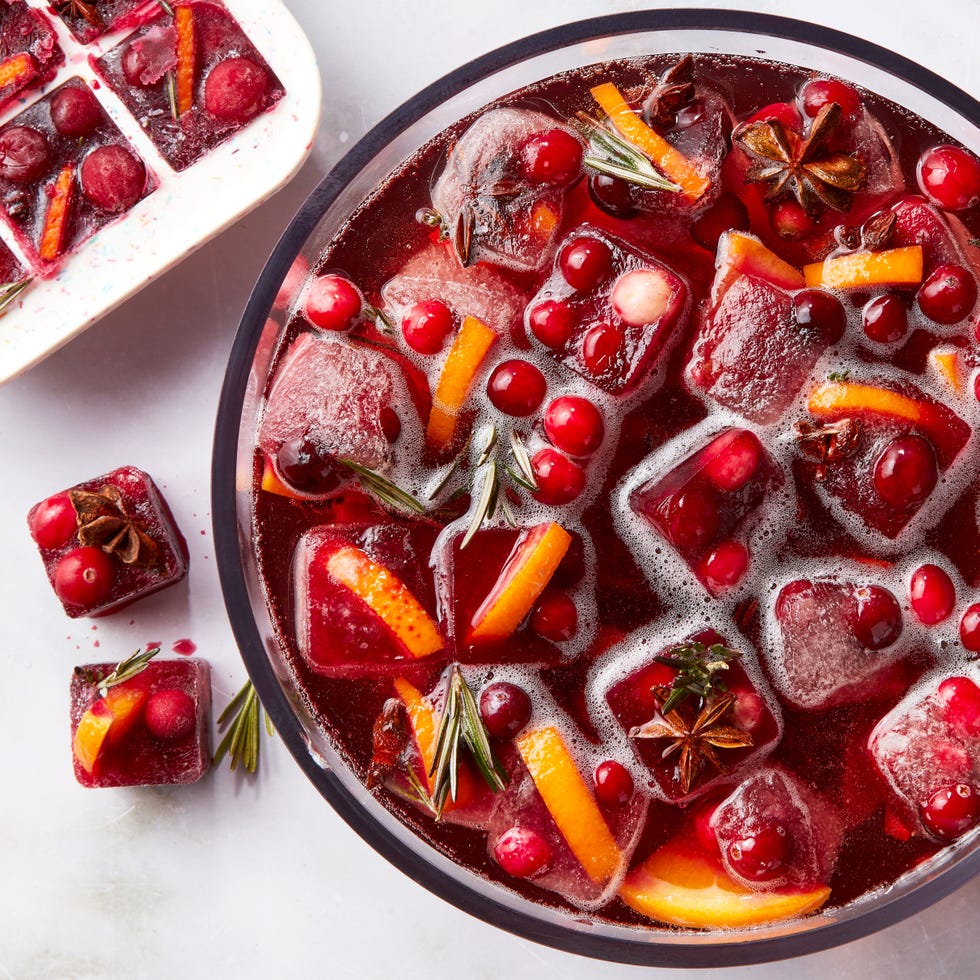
(482, 213)
(83, 9)
(802, 166)
(103, 523)
(695, 735)
(828, 443)
(673, 92)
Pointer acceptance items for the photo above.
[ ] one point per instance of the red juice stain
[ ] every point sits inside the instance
(184, 647)
(153, 645)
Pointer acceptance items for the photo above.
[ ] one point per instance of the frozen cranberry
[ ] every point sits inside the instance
(693, 517)
(703, 824)
(555, 617)
(736, 458)
(522, 852)
(950, 177)
(885, 319)
(234, 89)
(817, 92)
(112, 178)
(426, 326)
(552, 323)
(505, 709)
(877, 617)
(962, 698)
(951, 811)
(305, 467)
(613, 783)
(970, 628)
(641, 296)
(24, 153)
(785, 113)
(54, 522)
(906, 471)
(790, 221)
(552, 157)
(948, 294)
(724, 566)
(817, 310)
(170, 714)
(517, 388)
(617, 197)
(932, 594)
(391, 424)
(84, 576)
(585, 262)
(75, 111)
(333, 303)
(574, 425)
(762, 855)
(559, 480)
(727, 213)
(602, 347)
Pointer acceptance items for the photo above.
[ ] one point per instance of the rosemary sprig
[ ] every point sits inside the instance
(124, 671)
(170, 83)
(241, 741)
(386, 491)
(433, 219)
(11, 291)
(167, 9)
(838, 376)
(382, 321)
(700, 672)
(610, 154)
(461, 727)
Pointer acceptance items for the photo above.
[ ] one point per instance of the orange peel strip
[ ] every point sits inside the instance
(751, 257)
(947, 364)
(892, 267)
(15, 68)
(56, 220)
(186, 56)
(847, 396)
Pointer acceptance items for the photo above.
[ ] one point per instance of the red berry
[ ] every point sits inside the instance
(602, 348)
(170, 714)
(552, 323)
(75, 111)
(906, 472)
(951, 811)
(24, 153)
(307, 467)
(641, 296)
(613, 195)
(53, 521)
(522, 852)
(234, 89)
(516, 388)
(724, 566)
(948, 294)
(703, 828)
(574, 425)
(816, 93)
(585, 262)
(727, 213)
(760, 856)
(505, 709)
(962, 699)
(427, 325)
(932, 594)
(785, 113)
(817, 310)
(950, 177)
(790, 221)
(552, 157)
(112, 178)
(877, 617)
(84, 577)
(735, 457)
(613, 783)
(970, 628)
(692, 517)
(333, 303)
(391, 424)
(555, 617)
(885, 319)
(559, 480)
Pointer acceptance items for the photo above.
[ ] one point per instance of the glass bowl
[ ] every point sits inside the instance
(341, 191)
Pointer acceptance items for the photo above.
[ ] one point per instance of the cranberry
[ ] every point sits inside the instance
(727, 213)
(790, 221)
(24, 153)
(234, 90)
(760, 856)
(552, 323)
(877, 618)
(785, 113)
(75, 111)
(112, 178)
(950, 177)
(951, 811)
(555, 618)
(585, 262)
(84, 577)
(559, 479)
(906, 471)
(702, 819)
(54, 521)
(948, 294)
(391, 424)
(516, 388)
(932, 594)
(816, 93)
(615, 196)
(724, 566)
(692, 517)
(170, 714)
(505, 709)
(885, 319)
(970, 628)
(427, 325)
(522, 852)
(613, 783)
(574, 425)
(817, 310)
(736, 458)
(641, 296)
(962, 698)
(552, 157)
(306, 467)
(333, 303)
(602, 347)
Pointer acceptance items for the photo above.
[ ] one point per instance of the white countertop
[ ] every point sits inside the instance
(239, 877)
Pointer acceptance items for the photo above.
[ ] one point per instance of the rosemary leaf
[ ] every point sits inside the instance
(523, 459)
(241, 742)
(486, 503)
(651, 181)
(453, 469)
(477, 740)
(11, 291)
(124, 671)
(384, 489)
(700, 670)
(489, 447)
(519, 479)
(167, 9)
(171, 86)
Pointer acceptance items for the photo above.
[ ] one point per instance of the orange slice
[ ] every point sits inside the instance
(543, 220)
(272, 484)
(15, 68)
(747, 255)
(892, 267)
(108, 719)
(522, 580)
(465, 356)
(56, 220)
(388, 598)
(680, 885)
(569, 802)
(648, 141)
(847, 396)
(947, 366)
(186, 56)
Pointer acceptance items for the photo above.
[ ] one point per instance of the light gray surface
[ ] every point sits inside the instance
(262, 879)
